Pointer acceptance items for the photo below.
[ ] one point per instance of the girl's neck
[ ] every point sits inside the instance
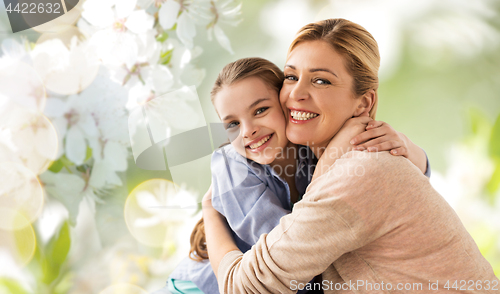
(318, 149)
(285, 165)
(287, 158)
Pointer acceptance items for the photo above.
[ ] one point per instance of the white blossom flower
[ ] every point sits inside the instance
(28, 138)
(191, 13)
(65, 70)
(93, 117)
(223, 13)
(120, 23)
(19, 81)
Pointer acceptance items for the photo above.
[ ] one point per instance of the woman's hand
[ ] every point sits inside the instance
(217, 234)
(380, 136)
(340, 144)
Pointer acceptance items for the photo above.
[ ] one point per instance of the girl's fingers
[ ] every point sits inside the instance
(371, 142)
(367, 135)
(385, 146)
(400, 151)
(374, 124)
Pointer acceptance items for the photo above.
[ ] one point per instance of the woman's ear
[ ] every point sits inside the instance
(365, 103)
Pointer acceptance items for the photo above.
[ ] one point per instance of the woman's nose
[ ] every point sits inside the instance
(299, 91)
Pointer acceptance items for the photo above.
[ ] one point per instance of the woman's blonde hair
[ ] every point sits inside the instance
(355, 44)
(236, 71)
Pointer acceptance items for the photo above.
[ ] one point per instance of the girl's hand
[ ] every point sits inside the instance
(340, 145)
(380, 136)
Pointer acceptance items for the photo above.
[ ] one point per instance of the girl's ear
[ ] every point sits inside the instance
(365, 103)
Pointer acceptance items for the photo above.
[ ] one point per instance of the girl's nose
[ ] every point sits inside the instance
(250, 130)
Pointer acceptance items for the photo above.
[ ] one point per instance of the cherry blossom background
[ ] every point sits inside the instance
(77, 215)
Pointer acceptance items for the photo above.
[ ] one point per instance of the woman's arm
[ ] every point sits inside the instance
(345, 209)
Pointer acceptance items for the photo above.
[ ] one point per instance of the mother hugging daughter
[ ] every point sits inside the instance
(363, 216)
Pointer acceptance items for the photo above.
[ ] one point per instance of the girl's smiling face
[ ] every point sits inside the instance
(317, 95)
(252, 115)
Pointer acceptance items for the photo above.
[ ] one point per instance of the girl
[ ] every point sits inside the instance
(257, 178)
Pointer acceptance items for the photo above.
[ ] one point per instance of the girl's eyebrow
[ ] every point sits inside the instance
(314, 69)
(256, 102)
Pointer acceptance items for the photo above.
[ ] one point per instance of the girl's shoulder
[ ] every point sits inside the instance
(228, 163)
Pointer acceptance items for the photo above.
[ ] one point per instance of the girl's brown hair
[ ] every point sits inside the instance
(236, 71)
(355, 44)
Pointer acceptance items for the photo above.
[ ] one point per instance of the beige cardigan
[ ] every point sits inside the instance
(371, 222)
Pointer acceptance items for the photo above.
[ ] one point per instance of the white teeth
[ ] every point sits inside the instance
(258, 144)
(300, 115)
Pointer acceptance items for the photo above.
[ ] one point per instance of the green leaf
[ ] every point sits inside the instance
(166, 56)
(56, 252)
(66, 161)
(56, 166)
(494, 145)
(162, 37)
(65, 284)
(88, 154)
(11, 286)
(58, 247)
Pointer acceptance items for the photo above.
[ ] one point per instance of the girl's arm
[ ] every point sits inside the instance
(216, 231)
(380, 136)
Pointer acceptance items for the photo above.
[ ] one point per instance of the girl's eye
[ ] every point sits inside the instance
(291, 78)
(261, 110)
(322, 82)
(232, 125)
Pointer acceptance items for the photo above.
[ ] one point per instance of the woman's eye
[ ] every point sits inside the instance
(291, 78)
(232, 124)
(261, 110)
(322, 82)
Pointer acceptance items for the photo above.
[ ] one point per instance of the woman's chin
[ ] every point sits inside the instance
(300, 138)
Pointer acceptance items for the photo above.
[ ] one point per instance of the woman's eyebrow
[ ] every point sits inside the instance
(314, 69)
(322, 69)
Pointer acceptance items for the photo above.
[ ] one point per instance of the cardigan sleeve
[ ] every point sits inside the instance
(347, 207)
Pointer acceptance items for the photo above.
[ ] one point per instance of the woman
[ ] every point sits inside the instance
(371, 222)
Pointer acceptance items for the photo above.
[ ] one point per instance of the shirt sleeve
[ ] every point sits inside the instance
(250, 206)
(344, 209)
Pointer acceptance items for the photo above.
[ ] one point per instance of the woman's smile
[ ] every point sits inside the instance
(300, 116)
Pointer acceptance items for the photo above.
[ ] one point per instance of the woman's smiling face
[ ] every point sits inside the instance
(251, 113)
(317, 95)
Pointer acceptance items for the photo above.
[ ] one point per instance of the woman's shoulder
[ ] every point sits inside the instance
(363, 168)
(377, 162)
